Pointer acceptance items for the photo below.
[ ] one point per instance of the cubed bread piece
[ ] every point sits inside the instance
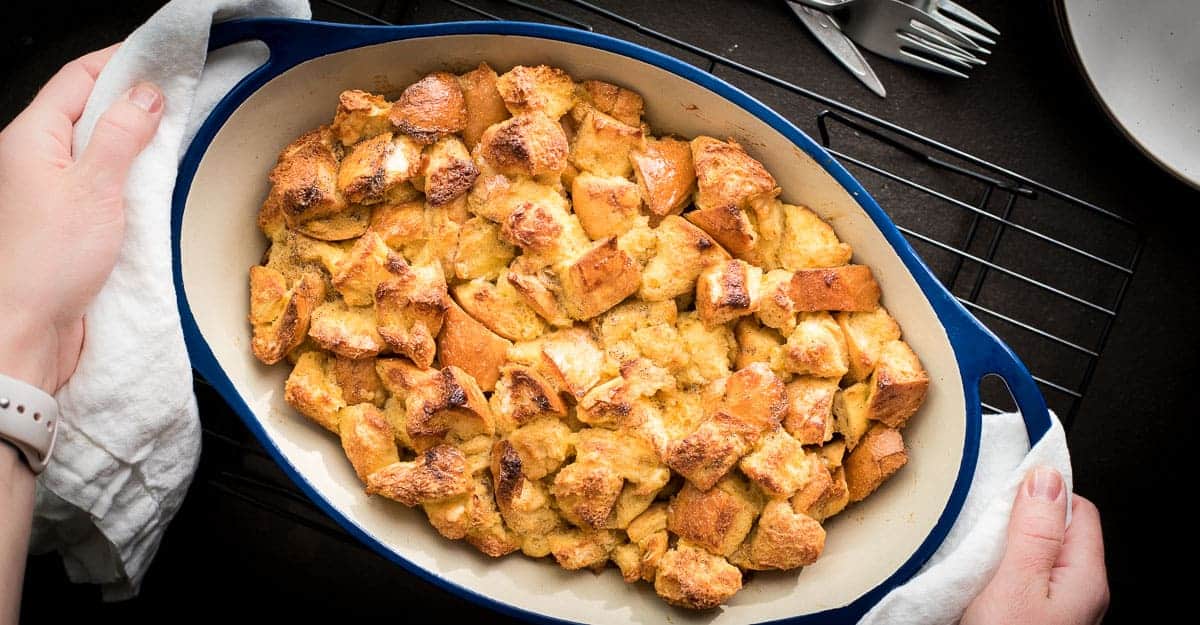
(626, 453)
(400, 376)
(538, 285)
(776, 309)
(440, 244)
(898, 385)
(866, 334)
(808, 242)
(439, 473)
(473, 516)
(304, 178)
(360, 115)
(430, 108)
(755, 397)
(815, 490)
(711, 350)
(364, 267)
(783, 540)
(665, 175)
(547, 90)
(524, 503)
(717, 519)
(766, 213)
(280, 316)
(602, 145)
(598, 280)
(446, 406)
(348, 331)
(367, 439)
(374, 166)
(529, 144)
(573, 360)
(449, 171)
(628, 328)
(484, 104)
(295, 254)
(835, 499)
(691, 577)
(726, 176)
(270, 218)
(409, 310)
(469, 345)
(579, 549)
(809, 416)
(399, 223)
(623, 104)
(612, 404)
(340, 227)
(482, 252)
(606, 206)
(542, 445)
(878, 455)
(850, 288)
(522, 396)
(686, 251)
(648, 533)
(778, 464)
(707, 454)
(499, 307)
(727, 290)
(816, 347)
(759, 344)
(358, 380)
(485, 527)
(312, 392)
(640, 241)
(586, 493)
(833, 452)
(545, 228)
(850, 412)
(731, 227)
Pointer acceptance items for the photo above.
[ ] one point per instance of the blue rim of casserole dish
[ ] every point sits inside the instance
(978, 352)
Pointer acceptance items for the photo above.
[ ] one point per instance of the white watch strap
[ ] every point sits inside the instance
(29, 420)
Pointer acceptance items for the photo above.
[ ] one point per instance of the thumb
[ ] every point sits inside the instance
(1035, 532)
(119, 136)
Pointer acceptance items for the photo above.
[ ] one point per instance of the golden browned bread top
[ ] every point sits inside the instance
(557, 333)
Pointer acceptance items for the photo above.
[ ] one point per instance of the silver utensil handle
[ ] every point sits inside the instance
(825, 5)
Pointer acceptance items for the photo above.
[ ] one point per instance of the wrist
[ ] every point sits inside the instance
(13, 468)
(28, 353)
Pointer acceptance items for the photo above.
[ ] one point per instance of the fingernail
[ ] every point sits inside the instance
(1044, 483)
(147, 97)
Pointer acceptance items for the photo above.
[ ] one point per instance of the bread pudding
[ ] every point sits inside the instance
(559, 334)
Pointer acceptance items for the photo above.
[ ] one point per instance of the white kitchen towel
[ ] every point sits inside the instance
(129, 439)
(939, 593)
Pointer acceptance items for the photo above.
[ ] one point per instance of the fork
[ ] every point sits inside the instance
(937, 35)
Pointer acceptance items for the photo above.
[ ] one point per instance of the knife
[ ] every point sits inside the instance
(826, 30)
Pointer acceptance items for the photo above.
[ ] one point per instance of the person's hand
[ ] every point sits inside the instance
(62, 216)
(1050, 574)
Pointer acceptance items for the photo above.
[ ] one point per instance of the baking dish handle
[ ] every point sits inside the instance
(291, 41)
(982, 353)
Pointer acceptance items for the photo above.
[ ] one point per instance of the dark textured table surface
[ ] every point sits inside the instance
(1029, 110)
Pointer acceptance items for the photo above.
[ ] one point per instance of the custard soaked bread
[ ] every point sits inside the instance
(559, 334)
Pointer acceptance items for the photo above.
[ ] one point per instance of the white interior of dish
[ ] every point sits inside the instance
(865, 544)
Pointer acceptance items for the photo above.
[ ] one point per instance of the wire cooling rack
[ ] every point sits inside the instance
(1009, 248)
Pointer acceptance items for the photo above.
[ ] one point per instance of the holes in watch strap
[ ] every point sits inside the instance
(37, 416)
(4, 402)
(20, 408)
